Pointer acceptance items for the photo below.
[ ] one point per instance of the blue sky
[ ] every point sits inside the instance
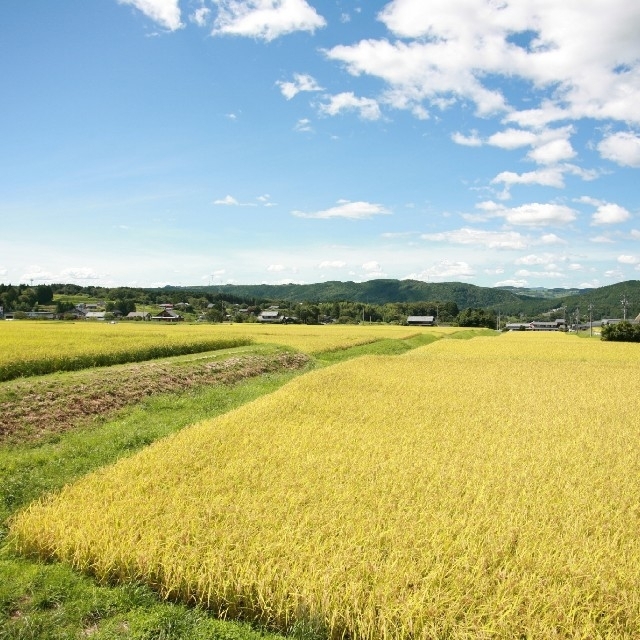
(190, 142)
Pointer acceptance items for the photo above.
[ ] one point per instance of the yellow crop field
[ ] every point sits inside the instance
(318, 338)
(468, 489)
(28, 348)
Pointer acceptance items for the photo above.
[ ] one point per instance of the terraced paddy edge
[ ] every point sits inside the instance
(34, 408)
(468, 489)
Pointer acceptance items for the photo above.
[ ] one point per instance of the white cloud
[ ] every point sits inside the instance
(347, 101)
(552, 151)
(539, 215)
(512, 139)
(582, 59)
(276, 267)
(622, 148)
(489, 239)
(332, 264)
(609, 213)
(550, 177)
(628, 259)
(346, 209)
(551, 238)
(444, 269)
(166, 13)
(372, 265)
(303, 125)
(539, 274)
(472, 140)
(511, 283)
(201, 16)
(533, 259)
(635, 234)
(227, 200)
(265, 19)
(232, 202)
(301, 82)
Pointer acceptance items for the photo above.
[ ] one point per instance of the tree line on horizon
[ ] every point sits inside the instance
(372, 301)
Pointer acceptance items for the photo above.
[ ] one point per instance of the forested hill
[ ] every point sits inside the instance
(606, 301)
(389, 291)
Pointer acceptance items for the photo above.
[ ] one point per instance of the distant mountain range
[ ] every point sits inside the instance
(605, 301)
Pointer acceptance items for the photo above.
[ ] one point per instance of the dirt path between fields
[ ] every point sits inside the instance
(32, 408)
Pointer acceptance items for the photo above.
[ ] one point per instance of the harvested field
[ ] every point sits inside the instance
(33, 408)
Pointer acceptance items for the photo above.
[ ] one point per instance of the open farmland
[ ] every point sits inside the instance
(35, 348)
(468, 489)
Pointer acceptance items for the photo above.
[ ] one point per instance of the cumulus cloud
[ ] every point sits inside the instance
(165, 13)
(265, 19)
(512, 139)
(346, 209)
(301, 82)
(332, 264)
(622, 148)
(606, 212)
(539, 215)
(625, 259)
(367, 108)
(276, 267)
(372, 265)
(489, 239)
(582, 61)
(609, 213)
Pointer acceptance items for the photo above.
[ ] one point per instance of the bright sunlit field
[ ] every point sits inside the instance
(28, 348)
(469, 489)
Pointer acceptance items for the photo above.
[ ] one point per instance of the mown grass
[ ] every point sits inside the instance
(47, 601)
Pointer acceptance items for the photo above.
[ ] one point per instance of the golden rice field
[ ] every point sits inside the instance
(486, 488)
(28, 348)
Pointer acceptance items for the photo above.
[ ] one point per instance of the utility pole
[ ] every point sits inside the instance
(590, 319)
(577, 318)
(625, 304)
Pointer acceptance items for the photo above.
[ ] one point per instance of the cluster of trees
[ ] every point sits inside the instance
(23, 297)
(621, 332)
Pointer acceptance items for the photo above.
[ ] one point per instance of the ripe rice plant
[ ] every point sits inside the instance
(467, 489)
(35, 348)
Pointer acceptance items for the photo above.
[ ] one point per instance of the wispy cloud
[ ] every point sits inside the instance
(301, 82)
(367, 108)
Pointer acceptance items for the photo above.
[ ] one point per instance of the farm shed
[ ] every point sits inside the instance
(138, 315)
(270, 316)
(425, 321)
(168, 315)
